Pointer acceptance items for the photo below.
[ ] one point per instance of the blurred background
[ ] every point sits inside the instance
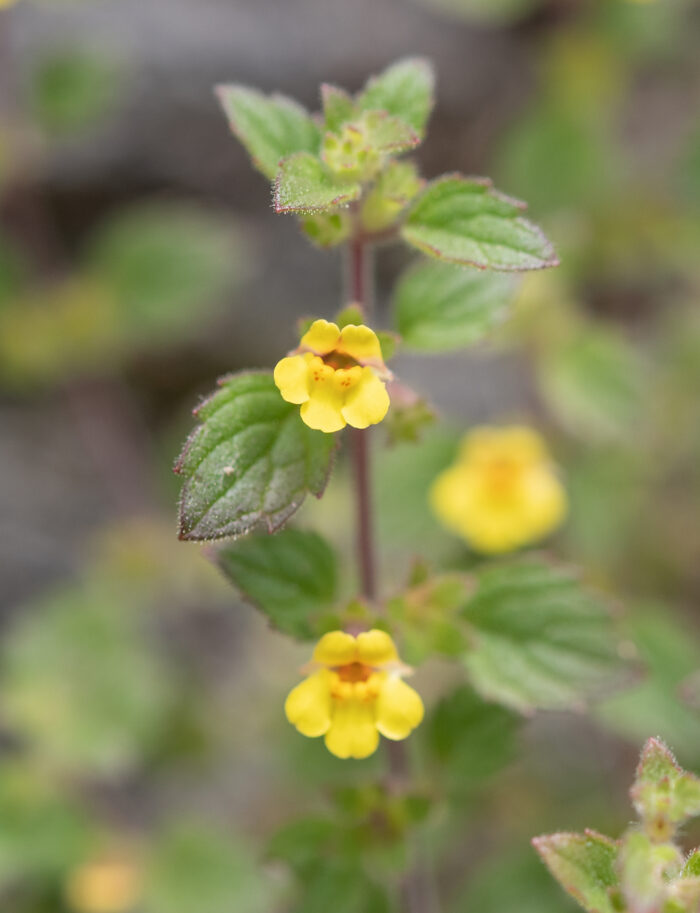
(144, 758)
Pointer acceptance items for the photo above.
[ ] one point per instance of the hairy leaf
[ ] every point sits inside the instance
(305, 185)
(404, 89)
(471, 738)
(440, 307)
(464, 220)
(338, 107)
(595, 383)
(645, 867)
(291, 577)
(388, 134)
(270, 127)
(584, 865)
(664, 794)
(540, 639)
(251, 461)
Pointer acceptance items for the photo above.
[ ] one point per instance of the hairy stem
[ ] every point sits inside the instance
(358, 287)
(417, 889)
(359, 441)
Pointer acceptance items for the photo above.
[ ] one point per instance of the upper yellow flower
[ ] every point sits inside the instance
(4, 3)
(335, 376)
(503, 492)
(355, 693)
(104, 886)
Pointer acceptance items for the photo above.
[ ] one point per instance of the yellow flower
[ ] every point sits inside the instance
(354, 693)
(336, 377)
(103, 886)
(503, 492)
(4, 3)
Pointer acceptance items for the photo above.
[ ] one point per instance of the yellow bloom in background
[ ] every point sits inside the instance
(355, 693)
(502, 492)
(104, 886)
(4, 3)
(336, 376)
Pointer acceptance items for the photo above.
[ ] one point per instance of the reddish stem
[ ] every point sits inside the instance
(359, 439)
(365, 539)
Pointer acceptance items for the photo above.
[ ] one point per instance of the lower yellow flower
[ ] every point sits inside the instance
(503, 491)
(336, 377)
(355, 693)
(104, 886)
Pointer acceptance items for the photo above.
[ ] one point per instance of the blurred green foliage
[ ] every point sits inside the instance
(96, 696)
(72, 88)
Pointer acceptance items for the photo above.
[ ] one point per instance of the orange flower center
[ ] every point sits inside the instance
(337, 360)
(502, 476)
(354, 672)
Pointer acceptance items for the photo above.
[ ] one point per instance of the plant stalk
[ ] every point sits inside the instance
(417, 889)
(358, 287)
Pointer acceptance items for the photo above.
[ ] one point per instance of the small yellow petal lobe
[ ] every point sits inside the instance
(376, 648)
(308, 706)
(321, 337)
(335, 649)
(292, 378)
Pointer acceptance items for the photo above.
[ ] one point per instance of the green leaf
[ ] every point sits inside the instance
(470, 738)
(193, 868)
(72, 88)
(540, 639)
(645, 868)
(584, 865)
(251, 462)
(338, 107)
(404, 89)
(440, 307)
(301, 843)
(387, 134)
(427, 616)
(270, 127)
(691, 868)
(291, 577)
(328, 229)
(668, 651)
(392, 191)
(664, 795)
(595, 383)
(305, 185)
(342, 887)
(464, 220)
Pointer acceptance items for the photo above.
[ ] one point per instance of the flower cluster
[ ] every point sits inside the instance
(503, 491)
(337, 376)
(354, 693)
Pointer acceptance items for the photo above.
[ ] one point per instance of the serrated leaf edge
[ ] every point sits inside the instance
(488, 183)
(265, 522)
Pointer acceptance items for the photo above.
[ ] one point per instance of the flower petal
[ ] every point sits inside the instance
(360, 343)
(336, 649)
(398, 709)
(322, 411)
(321, 337)
(308, 706)
(376, 648)
(352, 733)
(367, 402)
(452, 497)
(292, 378)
